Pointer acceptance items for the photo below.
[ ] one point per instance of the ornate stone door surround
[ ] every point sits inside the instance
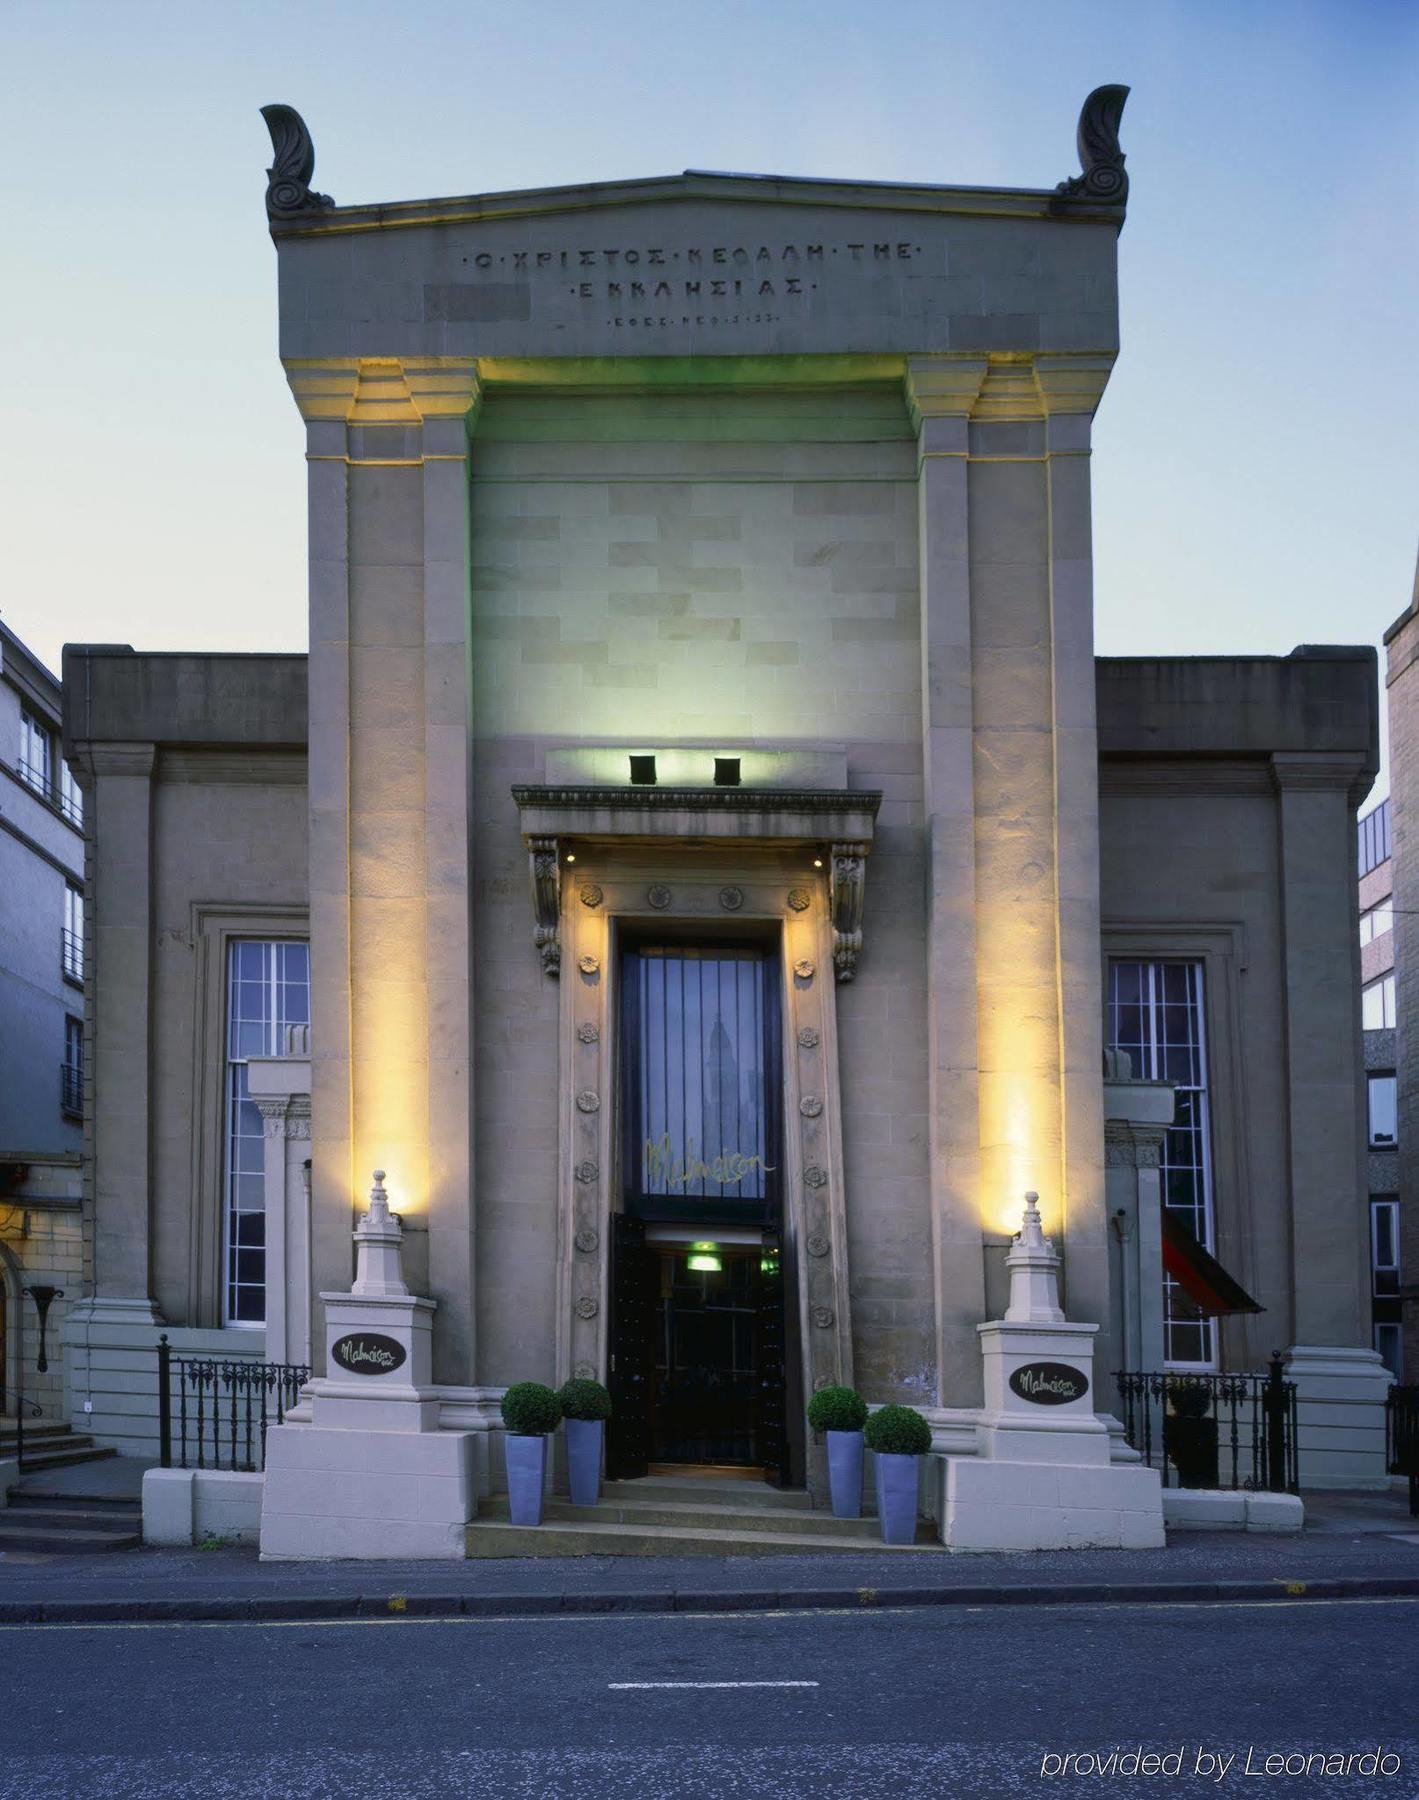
(790, 861)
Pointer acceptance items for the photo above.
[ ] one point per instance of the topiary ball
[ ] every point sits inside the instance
(898, 1431)
(837, 1409)
(584, 1400)
(530, 1410)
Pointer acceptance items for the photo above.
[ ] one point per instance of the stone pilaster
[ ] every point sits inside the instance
(940, 394)
(118, 808)
(387, 447)
(1402, 701)
(1325, 1102)
(1011, 804)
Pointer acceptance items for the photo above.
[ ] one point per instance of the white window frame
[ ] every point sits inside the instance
(1384, 986)
(70, 796)
(1391, 1141)
(231, 1100)
(71, 938)
(1388, 1206)
(1152, 965)
(36, 737)
(1377, 921)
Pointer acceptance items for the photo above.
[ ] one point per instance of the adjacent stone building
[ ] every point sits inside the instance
(44, 1264)
(702, 859)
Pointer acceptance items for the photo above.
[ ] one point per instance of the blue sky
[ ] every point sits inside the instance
(1257, 453)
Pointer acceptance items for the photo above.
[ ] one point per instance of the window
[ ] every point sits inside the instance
(71, 801)
(1373, 832)
(36, 752)
(1156, 1015)
(268, 988)
(700, 1084)
(1384, 1280)
(71, 1070)
(71, 934)
(1384, 1111)
(1377, 921)
(1377, 1005)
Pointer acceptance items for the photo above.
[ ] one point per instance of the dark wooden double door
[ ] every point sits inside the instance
(699, 1342)
(698, 1356)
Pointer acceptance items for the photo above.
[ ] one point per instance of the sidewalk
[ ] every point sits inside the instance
(1360, 1546)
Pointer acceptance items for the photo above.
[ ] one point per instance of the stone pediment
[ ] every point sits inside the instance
(703, 264)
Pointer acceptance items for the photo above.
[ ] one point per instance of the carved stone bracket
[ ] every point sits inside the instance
(1104, 178)
(545, 865)
(846, 895)
(288, 189)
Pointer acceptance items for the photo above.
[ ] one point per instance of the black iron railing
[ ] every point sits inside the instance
(213, 1412)
(71, 953)
(1402, 1438)
(71, 1089)
(1214, 1431)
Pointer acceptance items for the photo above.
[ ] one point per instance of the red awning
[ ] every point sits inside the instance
(1201, 1277)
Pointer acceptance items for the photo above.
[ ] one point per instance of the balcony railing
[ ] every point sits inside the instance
(71, 953)
(213, 1413)
(1214, 1431)
(71, 1089)
(69, 805)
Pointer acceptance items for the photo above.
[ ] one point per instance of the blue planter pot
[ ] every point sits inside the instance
(584, 1460)
(526, 1476)
(896, 1498)
(845, 1473)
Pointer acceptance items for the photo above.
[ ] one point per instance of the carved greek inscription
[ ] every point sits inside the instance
(704, 285)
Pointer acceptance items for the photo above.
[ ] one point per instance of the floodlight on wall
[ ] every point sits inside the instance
(726, 771)
(704, 1259)
(642, 771)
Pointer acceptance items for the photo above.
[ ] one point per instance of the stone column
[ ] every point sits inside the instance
(1341, 1380)
(387, 445)
(940, 393)
(118, 809)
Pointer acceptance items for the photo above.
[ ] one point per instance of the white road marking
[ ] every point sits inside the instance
(620, 1686)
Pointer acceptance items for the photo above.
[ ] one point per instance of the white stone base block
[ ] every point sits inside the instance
(189, 1506)
(1340, 1416)
(992, 1504)
(367, 1494)
(1207, 1509)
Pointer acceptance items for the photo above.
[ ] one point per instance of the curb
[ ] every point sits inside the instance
(284, 1608)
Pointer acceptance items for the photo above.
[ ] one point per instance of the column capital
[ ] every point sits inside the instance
(374, 390)
(1314, 771)
(90, 757)
(1133, 1144)
(942, 386)
(1071, 383)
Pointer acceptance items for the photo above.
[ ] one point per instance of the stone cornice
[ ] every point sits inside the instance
(703, 185)
(739, 814)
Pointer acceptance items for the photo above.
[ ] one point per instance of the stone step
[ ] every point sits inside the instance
(61, 1499)
(66, 1540)
(494, 1537)
(80, 1450)
(20, 1513)
(36, 1434)
(690, 1490)
(688, 1517)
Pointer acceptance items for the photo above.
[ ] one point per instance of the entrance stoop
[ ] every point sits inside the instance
(682, 1515)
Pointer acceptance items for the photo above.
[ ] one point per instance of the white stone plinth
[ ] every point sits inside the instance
(1340, 1415)
(996, 1504)
(364, 1493)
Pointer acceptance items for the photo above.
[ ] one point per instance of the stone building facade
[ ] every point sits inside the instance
(713, 833)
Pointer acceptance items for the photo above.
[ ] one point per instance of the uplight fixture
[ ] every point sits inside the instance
(817, 862)
(704, 1259)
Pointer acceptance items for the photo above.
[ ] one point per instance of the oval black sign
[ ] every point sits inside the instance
(1049, 1383)
(368, 1353)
